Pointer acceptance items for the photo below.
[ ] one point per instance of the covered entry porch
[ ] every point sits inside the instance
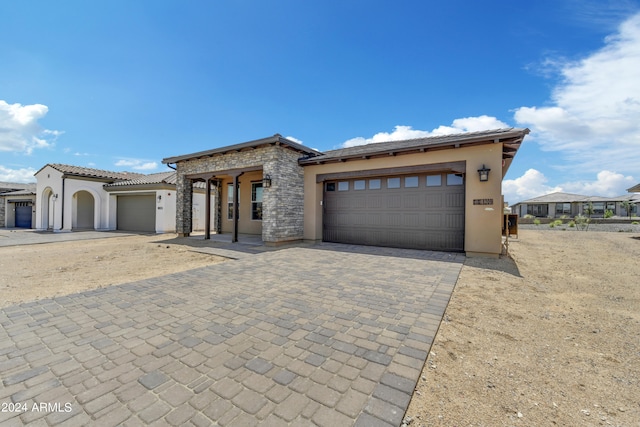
(238, 196)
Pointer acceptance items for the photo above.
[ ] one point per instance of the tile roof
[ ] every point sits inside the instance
(559, 197)
(168, 177)
(26, 192)
(92, 173)
(6, 187)
(417, 144)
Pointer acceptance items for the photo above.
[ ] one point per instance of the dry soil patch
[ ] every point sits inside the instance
(31, 272)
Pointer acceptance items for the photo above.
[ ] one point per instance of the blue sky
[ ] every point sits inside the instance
(120, 85)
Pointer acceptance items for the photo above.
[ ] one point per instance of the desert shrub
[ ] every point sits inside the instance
(556, 223)
(528, 216)
(635, 223)
(572, 223)
(608, 213)
(582, 222)
(536, 221)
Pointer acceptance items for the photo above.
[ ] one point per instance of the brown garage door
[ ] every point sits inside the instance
(423, 211)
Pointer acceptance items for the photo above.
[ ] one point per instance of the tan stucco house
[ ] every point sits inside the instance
(436, 193)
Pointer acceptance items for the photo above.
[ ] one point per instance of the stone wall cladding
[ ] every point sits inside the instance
(2, 212)
(282, 204)
(285, 204)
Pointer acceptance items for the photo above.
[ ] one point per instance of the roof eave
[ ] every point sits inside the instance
(512, 138)
(272, 140)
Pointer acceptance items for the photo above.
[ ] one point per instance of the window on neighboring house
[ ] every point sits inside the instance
(538, 210)
(256, 201)
(563, 208)
(597, 208)
(611, 206)
(230, 201)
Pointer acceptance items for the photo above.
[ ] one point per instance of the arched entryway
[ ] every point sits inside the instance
(83, 211)
(47, 204)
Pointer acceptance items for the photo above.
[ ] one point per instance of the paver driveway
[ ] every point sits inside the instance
(329, 335)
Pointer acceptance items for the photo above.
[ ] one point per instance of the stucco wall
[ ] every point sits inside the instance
(483, 223)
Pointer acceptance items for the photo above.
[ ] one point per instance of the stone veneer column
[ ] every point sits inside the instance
(184, 204)
(283, 203)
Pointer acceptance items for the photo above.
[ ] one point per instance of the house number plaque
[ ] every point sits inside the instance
(483, 201)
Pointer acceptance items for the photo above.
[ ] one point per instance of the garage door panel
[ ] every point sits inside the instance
(423, 217)
(455, 200)
(136, 213)
(433, 201)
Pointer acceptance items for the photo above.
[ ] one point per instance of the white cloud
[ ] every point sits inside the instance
(533, 183)
(466, 124)
(22, 175)
(294, 139)
(19, 128)
(137, 164)
(592, 117)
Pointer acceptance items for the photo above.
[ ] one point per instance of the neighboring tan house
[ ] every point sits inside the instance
(424, 193)
(17, 205)
(79, 198)
(557, 205)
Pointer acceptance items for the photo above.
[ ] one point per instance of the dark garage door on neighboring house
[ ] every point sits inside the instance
(23, 214)
(137, 213)
(421, 211)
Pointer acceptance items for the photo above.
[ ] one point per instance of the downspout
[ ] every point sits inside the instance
(62, 209)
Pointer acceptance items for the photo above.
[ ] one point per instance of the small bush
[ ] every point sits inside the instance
(635, 223)
(536, 221)
(556, 223)
(572, 223)
(608, 213)
(528, 216)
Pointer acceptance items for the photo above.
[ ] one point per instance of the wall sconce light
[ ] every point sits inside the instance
(54, 196)
(484, 173)
(159, 197)
(266, 181)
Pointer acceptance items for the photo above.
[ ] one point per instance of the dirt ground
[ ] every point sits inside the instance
(549, 337)
(32, 272)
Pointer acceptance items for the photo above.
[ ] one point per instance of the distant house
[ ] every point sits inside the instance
(78, 198)
(556, 205)
(17, 205)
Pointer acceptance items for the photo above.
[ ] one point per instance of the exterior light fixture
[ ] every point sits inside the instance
(159, 197)
(54, 196)
(484, 173)
(266, 181)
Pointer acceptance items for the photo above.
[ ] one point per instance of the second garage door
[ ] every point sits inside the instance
(410, 211)
(137, 213)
